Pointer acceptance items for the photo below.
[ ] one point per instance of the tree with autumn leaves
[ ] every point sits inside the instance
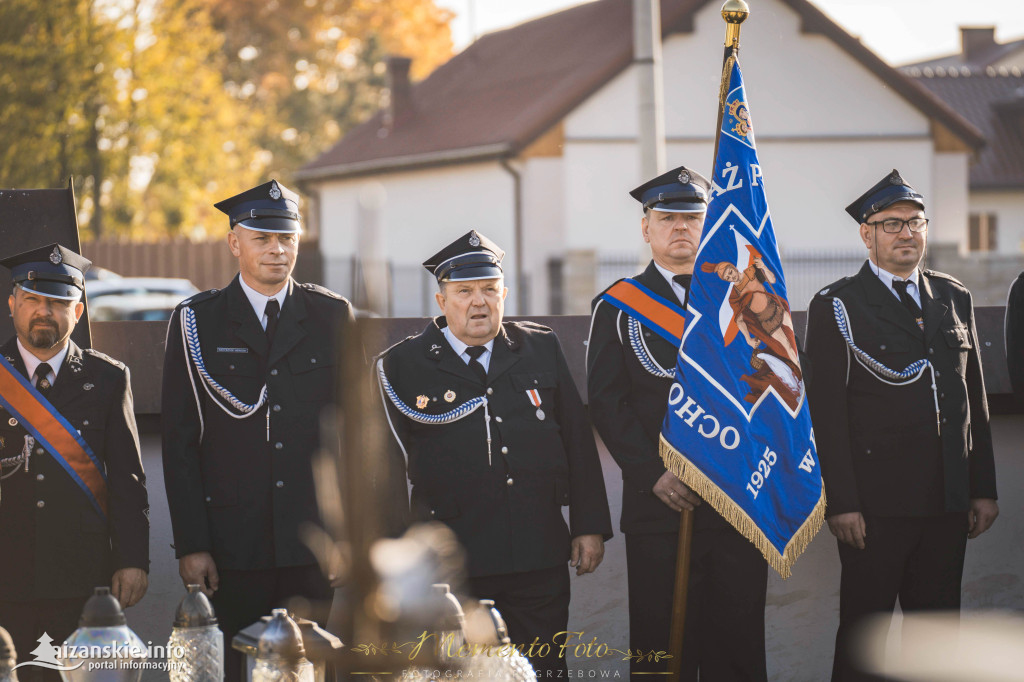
(159, 108)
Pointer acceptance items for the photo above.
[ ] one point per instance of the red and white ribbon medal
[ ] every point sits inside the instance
(534, 396)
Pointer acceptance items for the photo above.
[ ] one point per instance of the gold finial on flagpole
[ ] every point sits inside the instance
(735, 13)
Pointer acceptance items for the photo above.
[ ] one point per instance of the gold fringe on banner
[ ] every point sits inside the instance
(688, 473)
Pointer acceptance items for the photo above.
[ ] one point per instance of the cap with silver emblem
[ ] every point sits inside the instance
(470, 257)
(54, 271)
(886, 192)
(271, 207)
(680, 190)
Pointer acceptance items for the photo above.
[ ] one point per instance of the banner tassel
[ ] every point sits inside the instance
(680, 466)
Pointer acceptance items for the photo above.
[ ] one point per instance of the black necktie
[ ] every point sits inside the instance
(43, 384)
(474, 353)
(271, 311)
(683, 281)
(908, 301)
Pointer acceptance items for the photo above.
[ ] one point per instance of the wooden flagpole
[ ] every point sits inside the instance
(735, 13)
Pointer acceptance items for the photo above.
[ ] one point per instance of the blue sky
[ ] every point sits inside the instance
(899, 31)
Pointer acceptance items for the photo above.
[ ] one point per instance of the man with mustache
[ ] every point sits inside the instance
(74, 512)
(900, 420)
(247, 373)
(630, 370)
(498, 441)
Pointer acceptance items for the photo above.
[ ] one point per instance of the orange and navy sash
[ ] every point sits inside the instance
(656, 312)
(53, 432)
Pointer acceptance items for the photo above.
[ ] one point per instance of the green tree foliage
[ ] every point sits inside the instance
(317, 64)
(159, 108)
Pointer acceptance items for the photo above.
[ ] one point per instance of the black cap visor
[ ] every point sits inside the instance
(885, 203)
(678, 202)
(469, 266)
(269, 220)
(51, 288)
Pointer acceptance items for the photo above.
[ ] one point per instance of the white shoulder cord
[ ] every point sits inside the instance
(456, 414)
(884, 374)
(643, 354)
(219, 394)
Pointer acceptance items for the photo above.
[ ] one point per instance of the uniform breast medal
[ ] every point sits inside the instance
(534, 396)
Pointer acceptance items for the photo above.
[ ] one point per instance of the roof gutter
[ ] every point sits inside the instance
(375, 166)
(517, 228)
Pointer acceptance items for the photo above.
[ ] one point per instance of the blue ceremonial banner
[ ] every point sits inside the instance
(738, 428)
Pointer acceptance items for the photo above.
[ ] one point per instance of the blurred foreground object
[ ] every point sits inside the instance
(945, 647)
(318, 645)
(198, 639)
(8, 657)
(103, 629)
(280, 655)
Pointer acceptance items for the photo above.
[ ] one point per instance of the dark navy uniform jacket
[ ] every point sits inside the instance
(506, 513)
(55, 544)
(880, 447)
(628, 405)
(234, 490)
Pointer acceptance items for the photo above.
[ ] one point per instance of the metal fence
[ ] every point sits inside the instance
(806, 270)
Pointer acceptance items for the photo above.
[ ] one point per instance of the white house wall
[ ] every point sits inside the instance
(1009, 210)
(423, 210)
(827, 129)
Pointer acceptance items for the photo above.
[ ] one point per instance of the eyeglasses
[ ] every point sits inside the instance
(895, 225)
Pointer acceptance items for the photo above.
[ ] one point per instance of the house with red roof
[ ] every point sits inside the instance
(530, 135)
(984, 83)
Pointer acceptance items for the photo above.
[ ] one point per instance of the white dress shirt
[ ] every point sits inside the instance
(887, 279)
(460, 349)
(31, 362)
(259, 301)
(677, 288)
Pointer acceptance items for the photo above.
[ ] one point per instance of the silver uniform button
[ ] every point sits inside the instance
(208, 498)
(504, 450)
(273, 372)
(278, 445)
(40, 477)
(509, 482)
(277, 408)
(280, 484)
(497, 419)
(313, 360)
(85, 422)
(40, 451)
(40, 504)
(490, 391)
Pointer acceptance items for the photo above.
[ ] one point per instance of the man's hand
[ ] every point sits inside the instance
(674, 493)
(129, 585)
(981, 515)
(849, 528)
(587, 553)
(199, 569)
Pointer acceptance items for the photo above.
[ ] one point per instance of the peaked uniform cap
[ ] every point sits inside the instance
(54, 271)
(680, 190)
(270, 207)
(886, 192)
(472, 256)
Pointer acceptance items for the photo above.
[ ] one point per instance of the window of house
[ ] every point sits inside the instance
(982, 232)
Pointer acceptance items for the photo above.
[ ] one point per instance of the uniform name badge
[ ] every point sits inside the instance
(534, 396)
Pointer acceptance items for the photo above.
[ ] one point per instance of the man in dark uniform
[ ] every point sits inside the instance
(247, 372)
(497, 442)
(1014, 329)
(73, 515)
(900, 420)
(630, 370)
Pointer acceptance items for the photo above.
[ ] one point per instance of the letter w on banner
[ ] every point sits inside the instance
(738, 429)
